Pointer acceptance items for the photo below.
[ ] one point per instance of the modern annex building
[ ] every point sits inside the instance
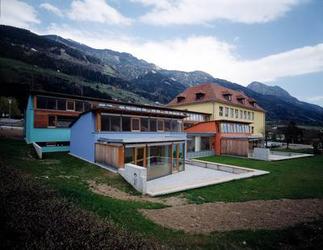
(115, 134)
(236, 124)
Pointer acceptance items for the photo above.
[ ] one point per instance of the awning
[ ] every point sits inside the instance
(143, 140)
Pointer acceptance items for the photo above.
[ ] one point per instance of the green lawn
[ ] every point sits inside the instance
(289, 179)
(294, 179)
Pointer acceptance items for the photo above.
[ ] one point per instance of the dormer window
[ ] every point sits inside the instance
(180, 98)
(228, 97)
(199, 96)
(252, 103)
(241, 99)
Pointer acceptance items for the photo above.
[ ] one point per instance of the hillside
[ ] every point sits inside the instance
(29, 61)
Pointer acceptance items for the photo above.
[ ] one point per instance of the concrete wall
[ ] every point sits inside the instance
(261, 154)
(83, 137)
(135, 175)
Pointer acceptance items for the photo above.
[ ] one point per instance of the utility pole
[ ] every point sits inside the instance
(9, 101)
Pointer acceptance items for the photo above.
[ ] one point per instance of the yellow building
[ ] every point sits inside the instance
(237, 117)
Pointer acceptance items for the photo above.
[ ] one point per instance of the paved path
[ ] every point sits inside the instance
(253, 215)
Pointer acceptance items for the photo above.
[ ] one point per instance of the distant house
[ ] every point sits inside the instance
(236, 124)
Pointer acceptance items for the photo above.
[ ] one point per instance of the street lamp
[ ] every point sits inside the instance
(9, 101)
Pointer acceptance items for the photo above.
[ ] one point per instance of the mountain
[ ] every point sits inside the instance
(264, 89)
(29, 61)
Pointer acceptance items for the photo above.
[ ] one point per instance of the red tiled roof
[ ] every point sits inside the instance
(213, 92)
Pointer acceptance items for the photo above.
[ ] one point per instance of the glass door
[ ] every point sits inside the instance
(140, 156)
(178, 157)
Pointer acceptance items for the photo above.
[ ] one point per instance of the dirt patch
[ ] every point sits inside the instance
(115, 193)
(210, 217)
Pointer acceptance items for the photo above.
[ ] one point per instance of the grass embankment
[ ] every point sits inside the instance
(69, 176)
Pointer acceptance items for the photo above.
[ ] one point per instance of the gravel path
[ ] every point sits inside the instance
(210, 217)
(115, 193)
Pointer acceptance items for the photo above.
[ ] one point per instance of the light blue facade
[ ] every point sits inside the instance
(33, 134)
(83, 137)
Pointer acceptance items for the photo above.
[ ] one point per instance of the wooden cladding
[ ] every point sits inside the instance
(111, 155)
(234, 147)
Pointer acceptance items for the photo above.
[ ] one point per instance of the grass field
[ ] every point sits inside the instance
(301, 178)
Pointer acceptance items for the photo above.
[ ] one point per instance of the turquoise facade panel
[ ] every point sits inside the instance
(55, 149)
(42, 134)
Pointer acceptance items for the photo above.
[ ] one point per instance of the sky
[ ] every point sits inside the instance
(277, 42)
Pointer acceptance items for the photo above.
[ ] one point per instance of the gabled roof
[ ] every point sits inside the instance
(214, 92)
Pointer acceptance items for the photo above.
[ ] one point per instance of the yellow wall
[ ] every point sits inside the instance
(213, 108)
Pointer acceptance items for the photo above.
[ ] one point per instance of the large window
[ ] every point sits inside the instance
(135, 124)
(144, 122)
(160, 125)
(206, 143)
(191, 144)
(237, 113)
(221, 111)
(231, 112)
(115, 123)
(46, 102)
(226, 112)
(70, 105)
(79, 106)
(61, 104)
(153, 124)
(167, 125)
(126, 123)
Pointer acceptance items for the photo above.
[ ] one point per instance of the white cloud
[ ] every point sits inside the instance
(315, 98)
(168, 12)
(18, 13)
(96, 11)
(205, 53)
(51, 8)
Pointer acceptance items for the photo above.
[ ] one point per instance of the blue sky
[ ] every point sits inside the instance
(278, 42)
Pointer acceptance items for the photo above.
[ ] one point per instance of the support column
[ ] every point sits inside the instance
(197, 143)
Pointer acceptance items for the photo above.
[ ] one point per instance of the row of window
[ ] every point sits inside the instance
(236, 128)
(139, 124)
(44, 102)
(195, 117)
(236, 113)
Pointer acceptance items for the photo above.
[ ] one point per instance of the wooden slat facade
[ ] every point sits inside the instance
(234, 147)
(111, 155)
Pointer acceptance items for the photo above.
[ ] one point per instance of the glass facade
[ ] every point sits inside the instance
(139, 124)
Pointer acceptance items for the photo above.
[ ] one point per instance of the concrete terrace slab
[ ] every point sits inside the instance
(195, 177)
(276, 157)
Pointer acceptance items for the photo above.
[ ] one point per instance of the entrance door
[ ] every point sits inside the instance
(140, 156)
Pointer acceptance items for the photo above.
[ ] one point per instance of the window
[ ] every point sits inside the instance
(245, 115)
(226, 112)
(46, 102)
(144, 124)
(252, 130)
(129, 155)
(180, 98)
(221, 111)
(237, 113)
(241, 100)
(175, 126)
(153, 125)
(115, 123)
(167, 125)
(191, 144)
(160, 125)
(51, 121)
(135, 124)
(79, 106)
(126, 122)
(105, 123)
(205, 143)
(252, 116)
(64, 121)
(199, 96)
(70, 105)
(228, 97)
(241, 114)
(231, 112)
(61, 104)
(87, 106)
(249, 115)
